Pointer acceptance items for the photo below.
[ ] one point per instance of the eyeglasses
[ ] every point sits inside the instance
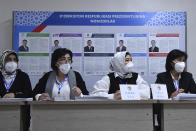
(66, 60)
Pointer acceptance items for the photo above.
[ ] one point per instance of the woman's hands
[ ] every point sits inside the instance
(117, 95)
(44, 96)
(174, 94)
(76, 91)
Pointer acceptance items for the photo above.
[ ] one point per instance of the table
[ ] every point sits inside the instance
(178, 115)
(12, 116)
(92, 115)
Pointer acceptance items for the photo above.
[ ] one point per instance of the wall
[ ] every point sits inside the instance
(7, 6)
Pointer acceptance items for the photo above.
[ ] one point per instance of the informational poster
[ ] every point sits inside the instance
(71, 41)
(98, 50)
(136, 44)
(159, 46)
(33, 49)
(94, 38)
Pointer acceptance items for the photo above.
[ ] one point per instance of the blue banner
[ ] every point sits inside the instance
(36, 18)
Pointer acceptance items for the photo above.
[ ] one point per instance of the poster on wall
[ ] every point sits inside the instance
(71, 41)
(94, 38)
(98, 50)
(159, 46)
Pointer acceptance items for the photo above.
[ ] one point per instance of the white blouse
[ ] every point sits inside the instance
(64, 92)
(102, 86)
(9, 79)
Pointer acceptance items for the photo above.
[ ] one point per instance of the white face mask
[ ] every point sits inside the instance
(179, 67)
(129, 67)
(11, 67)
(64, 68)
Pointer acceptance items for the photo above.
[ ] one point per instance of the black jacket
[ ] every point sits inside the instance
(21, 86)
(123, 49)
(21, 48)
(86, 49)
(41, 85)
(186, 82)
(115, 82)
(156, 49)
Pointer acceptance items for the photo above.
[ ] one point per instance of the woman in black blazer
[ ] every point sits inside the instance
(176, 78)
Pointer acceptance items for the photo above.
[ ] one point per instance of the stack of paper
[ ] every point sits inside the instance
(16, 99)
(185, 96)
(86, 97)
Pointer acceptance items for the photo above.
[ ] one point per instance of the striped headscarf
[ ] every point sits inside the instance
(3, 58)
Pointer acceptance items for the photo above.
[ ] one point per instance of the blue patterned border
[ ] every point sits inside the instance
(168, 19)
(30, 18)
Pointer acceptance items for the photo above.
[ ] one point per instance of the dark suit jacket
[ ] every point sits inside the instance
(21, 48)
(186, 82)
(123, 49)
(156, 49)
(86, 49)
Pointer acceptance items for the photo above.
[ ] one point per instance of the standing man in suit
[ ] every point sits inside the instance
(154, 48)
(24, 47)
(89, 47)
(121, 46)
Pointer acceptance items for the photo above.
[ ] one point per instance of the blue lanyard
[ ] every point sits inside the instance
(6, 85)
(122, 82)
(60, 85)
(176, 84)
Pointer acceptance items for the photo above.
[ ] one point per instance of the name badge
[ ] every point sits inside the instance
(159, 91)
(129, 92)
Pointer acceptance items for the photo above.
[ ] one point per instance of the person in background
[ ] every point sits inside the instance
(24, 47)
(89, 47)
(62, 81)
(14, 83)
(56, 46)
(122, 66)
(154, 48)
(121, 46)
(176, 78)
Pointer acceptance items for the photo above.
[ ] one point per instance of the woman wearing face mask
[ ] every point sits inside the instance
(62, 81)
(176, 78)
(13, 82)
(122, 67)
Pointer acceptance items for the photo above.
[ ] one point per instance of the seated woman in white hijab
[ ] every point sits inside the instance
(122, 66)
